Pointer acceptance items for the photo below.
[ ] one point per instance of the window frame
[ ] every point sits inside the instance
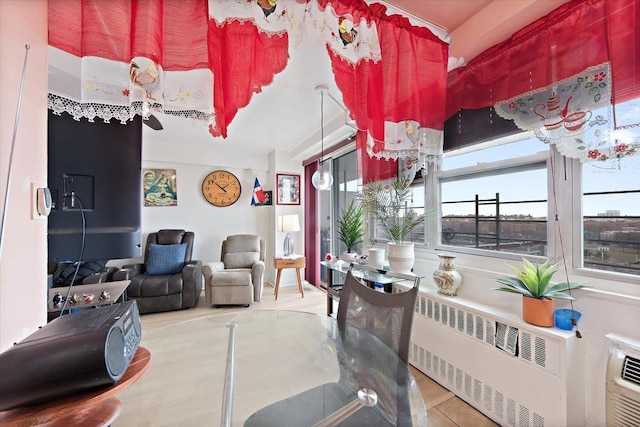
(540, 160)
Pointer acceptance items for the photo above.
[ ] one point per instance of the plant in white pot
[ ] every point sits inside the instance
(533, 282)
(350, 229)
(388, 204)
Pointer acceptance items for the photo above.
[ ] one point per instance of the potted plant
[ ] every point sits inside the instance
(350, 230)
(533, 282)
(387, 203)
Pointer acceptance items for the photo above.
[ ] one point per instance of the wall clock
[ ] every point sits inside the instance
(221, 188)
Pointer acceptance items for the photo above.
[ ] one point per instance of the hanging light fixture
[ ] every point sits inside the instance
(322, 178)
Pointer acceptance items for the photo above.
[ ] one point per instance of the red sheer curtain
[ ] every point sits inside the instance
(243, 60)
(178, 36)
(371, 168)
(173, 34)
(408, 83)
(577, 35)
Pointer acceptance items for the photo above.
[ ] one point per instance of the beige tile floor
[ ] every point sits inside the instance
(444, 409)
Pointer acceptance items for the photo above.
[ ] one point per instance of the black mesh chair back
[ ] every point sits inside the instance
(388, 316)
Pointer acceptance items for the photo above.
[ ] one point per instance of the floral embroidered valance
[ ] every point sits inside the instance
(571, 77)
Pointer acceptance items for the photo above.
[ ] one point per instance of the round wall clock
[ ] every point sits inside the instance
(221, 188)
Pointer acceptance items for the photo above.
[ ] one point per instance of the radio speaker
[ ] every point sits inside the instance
(71, 354)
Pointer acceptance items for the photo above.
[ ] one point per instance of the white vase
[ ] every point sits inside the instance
(446, 276)
(376, 258)
(401, 257)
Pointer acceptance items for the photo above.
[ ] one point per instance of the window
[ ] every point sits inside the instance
(495, 198)
(611, 216)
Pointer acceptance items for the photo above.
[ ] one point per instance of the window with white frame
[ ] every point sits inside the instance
(494, 197)
(498, 197)
(611, 213)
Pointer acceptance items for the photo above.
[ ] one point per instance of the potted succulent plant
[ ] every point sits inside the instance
(387, 203)
(350, 230)
(533, 282)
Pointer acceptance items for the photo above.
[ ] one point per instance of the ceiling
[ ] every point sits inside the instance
(286, 114)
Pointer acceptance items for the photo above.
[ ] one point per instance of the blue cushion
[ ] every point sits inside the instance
(165, 259)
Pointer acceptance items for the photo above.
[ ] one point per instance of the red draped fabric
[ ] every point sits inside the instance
(242, 60)
(408, 83)
(173, 34)
(579, 34)
(371, 168)
(402, 80)
(178, 36)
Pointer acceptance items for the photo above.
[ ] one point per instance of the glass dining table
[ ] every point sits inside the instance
(279, 368)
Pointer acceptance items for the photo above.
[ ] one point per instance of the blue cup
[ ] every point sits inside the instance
(562, 318)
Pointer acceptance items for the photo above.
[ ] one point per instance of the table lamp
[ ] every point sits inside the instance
(287, 224)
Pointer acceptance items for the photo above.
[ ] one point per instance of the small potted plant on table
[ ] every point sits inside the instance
(350, 230)
(533, 282)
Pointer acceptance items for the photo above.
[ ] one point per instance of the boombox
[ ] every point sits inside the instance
(72, 353)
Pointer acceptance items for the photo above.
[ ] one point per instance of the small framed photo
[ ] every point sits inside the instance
(288, 190)
(268, 199)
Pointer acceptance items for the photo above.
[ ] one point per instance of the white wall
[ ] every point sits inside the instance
(195, 156)
(23, 259)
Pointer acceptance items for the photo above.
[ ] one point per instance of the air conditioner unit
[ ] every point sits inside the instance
(623, 382)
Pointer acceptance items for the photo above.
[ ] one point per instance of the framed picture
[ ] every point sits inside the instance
(288, 190)
(160, 187)
(268, 199)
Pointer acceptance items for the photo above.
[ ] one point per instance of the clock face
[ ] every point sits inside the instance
(221, 188)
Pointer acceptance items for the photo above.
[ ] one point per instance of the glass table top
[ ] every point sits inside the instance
(280, 358)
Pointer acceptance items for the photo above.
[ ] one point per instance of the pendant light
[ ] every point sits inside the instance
(322, 178)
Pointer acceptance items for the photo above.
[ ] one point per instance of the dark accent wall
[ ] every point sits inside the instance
(96, 166)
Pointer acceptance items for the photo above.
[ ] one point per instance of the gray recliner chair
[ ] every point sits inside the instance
(169, 279)
(237, 279)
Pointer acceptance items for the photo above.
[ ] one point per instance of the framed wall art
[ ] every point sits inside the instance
(288, 190)
(268, 199)
(160, 187)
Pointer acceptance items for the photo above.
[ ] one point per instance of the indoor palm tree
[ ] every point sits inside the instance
(387, 202)
(350, 230)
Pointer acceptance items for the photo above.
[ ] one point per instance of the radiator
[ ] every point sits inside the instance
(514, 373)
(623, 382)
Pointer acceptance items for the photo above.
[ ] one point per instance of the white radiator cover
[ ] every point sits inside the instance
(516, 374)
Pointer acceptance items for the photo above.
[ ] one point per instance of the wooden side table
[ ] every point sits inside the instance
(284, 262)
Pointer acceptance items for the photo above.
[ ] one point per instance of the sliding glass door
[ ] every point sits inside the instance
(344, 168)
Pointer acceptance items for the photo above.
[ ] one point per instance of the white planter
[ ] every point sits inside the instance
(349, 256)
(376, 258)
(401, 257)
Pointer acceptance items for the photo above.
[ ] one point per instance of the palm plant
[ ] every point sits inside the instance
(387, 203)
(534, 281)
(350, 230)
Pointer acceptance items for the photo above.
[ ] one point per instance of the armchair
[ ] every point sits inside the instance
(168, 279)
(237, 279)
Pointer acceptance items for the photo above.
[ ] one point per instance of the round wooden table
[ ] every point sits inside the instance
(98, 407)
